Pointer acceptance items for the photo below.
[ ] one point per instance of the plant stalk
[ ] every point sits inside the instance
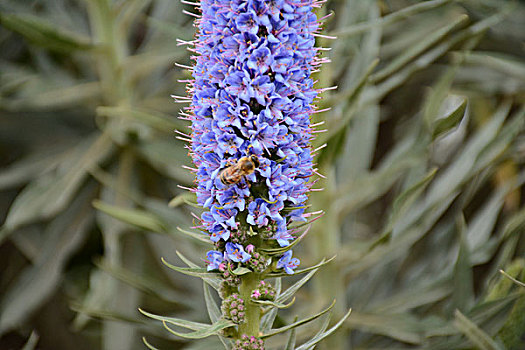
(250, 281)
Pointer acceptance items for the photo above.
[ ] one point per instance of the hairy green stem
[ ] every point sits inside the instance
(250, 281)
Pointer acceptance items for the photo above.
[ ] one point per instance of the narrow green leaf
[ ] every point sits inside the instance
(512, 278)
(269, 317)
(241, 271)
(50, 194)
(105, 314)
(477, 336)
(35, 165)
(51, 99)
(421, 46)
(35, 284)
(450, 121)
(213, 309)
(31, 342)
(196, 272)
(281, 250)
(485, 313)
(407, 12)
(297, 272)
(182, 198)
(214, 282)
(297, 323)
(201, 237)
(463, 293)
(194, 326)
(274, 303)
(312, 342)
(323, 327)
(142, 282)
(281, 298)
(290, 344)
(43, 33)
(213, 329)
(509, 65)
(135, 217)
(154, 119)
(409, 196)
(148, 345)
(164, 155)
(403, 327)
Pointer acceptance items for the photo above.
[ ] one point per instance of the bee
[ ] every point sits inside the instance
(234, 173)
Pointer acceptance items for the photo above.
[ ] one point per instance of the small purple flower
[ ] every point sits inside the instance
(260, 60)
(261, 89)
(235, 252)
(257, 213)
(288, 263)
(214, 260)
(247, 22)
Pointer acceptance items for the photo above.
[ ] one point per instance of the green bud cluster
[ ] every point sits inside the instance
(249, 343)
(233, 309)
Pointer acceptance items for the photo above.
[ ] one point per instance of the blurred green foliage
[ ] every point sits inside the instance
(423, 196)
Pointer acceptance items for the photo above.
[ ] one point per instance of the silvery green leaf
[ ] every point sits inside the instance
(31, 342)
(213, 329)
(239, 271)
(273, 303)
(148, 345)
(201, 330)
(269, 317)
(477, 336)
(50, 99)
(142, 282)
(296, 324)
(213, 281)
(43, 33)
(201, 237)
(213, 309)
(135, 217)
(290, 344)
(463, 294)
(407, 56)
(450, 120)
(282, 297)
(310, 344)
(36, 283)
(308, 269)
(512, 278)
(45, 197)
(391, 18)
(403, 327)
(190, 271)
(281, 250)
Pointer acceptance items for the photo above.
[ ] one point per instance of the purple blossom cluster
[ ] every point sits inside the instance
(252, 95)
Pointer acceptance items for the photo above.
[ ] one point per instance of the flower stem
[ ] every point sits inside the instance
(253, 311)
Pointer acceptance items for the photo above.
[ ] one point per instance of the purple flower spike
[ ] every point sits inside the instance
(235, 252)
(252, 98)
(287, 263)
